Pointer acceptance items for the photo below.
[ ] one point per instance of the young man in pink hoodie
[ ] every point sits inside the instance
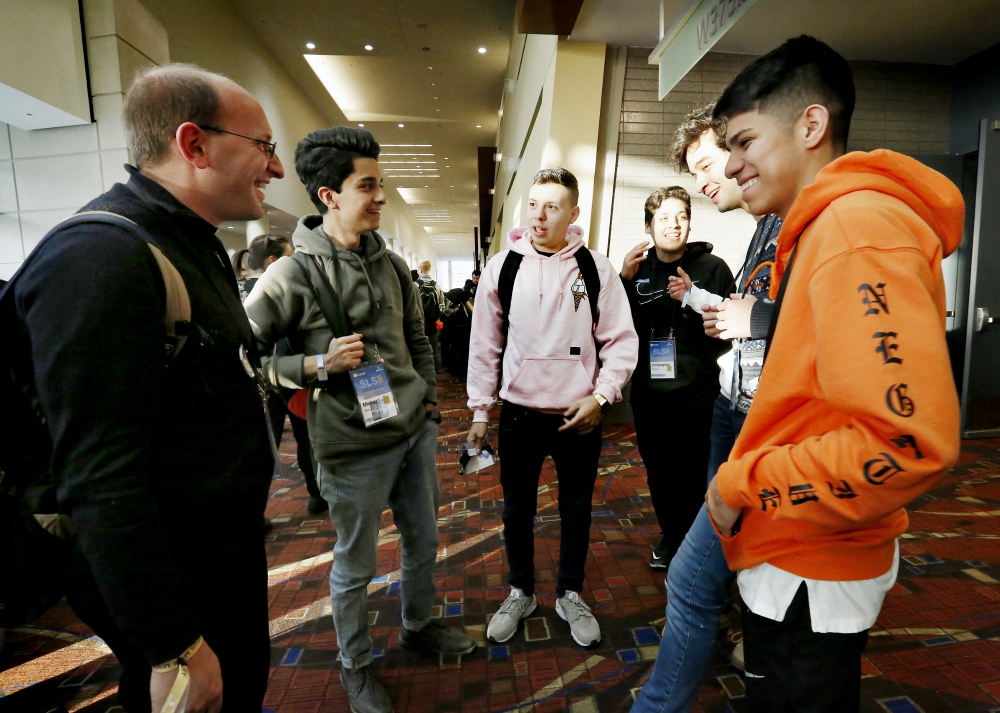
(545, 307)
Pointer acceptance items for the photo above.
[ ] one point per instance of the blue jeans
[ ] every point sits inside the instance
(358, 488)
(698, 584)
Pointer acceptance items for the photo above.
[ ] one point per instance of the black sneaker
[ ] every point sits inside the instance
(316, 505)
(365, 693)
(660, 559)
(437, 638)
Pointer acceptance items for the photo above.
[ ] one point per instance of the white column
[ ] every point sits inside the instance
(257, 227)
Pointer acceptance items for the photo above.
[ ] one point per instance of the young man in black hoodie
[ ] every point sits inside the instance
(676, 379)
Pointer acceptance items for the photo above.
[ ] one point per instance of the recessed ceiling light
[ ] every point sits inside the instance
(445, 158)
(361, 125)
(399, 125)
(451, 186)
(310, 46)
(430, 68)
(479, 126)
(482, 50)
(369, 48)
(437, 110)
(446, 166)
(230, 227)
(426, 186)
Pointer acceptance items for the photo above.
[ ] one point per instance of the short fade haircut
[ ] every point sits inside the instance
(325, 158)
(161, 99)
(799, 73)
(264, 246)
(562, 177)
(657, 197)
(694, 126)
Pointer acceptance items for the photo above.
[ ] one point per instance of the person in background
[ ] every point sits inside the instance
(239, 261)
(677, 378)
(856, 413)
(456, 333)
(163, 464)
(566, 347)
(261, 253)
(472, 284)
(432, 301)
(373, 418)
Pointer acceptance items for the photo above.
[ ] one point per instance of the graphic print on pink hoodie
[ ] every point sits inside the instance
(551, 360)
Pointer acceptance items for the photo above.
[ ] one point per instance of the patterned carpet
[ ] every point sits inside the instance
(936, 646)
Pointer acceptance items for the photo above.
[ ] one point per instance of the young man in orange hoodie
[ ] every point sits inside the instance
(856, 412)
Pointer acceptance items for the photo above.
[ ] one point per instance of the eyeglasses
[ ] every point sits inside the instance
(268, 146)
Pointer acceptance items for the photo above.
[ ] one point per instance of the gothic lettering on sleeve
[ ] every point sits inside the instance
(887, 347)
(908, 441)
(898, 402)
(770, 498)
(874, 298)
(801, 494)
(879, 470)
(843, 491)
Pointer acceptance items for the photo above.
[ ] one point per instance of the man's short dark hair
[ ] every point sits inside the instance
(477, 273)
(657, 197)
(562, 177)
(694, 126)
(802, 72)
(325, 158)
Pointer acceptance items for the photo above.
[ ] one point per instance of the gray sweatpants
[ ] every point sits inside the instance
(358, 488)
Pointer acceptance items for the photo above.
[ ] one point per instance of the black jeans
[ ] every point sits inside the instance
(526, 437)
(791, 669)
(278, 410)
(226, 568)
(674, 440)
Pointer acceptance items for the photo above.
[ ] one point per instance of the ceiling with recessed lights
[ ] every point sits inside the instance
(424, 76)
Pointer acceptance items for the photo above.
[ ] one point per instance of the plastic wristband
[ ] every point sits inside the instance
(321, 368)
(186, 656)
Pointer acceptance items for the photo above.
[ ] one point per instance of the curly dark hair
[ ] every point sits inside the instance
(661, 194)
(325, 158)
(695, 124)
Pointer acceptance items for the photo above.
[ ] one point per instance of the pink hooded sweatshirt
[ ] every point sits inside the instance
(551, 360)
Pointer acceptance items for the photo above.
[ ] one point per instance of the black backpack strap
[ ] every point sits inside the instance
(326, 297)
(505, 285)
(591, 279)
(777, 304)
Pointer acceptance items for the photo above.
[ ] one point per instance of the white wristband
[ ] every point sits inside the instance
(321, 368)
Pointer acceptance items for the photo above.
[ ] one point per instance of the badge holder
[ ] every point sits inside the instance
(663, 358)
(474, 459)
(371, 384)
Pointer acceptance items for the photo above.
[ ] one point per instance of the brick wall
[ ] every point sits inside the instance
(904, 107)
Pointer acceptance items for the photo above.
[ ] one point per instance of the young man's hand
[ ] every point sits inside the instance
(584, 415)
(679, 285)
(344, 354)
(204, 688)
(477, 435)
(710, 319)
(634, 258)
(734, 317)
(722, 515)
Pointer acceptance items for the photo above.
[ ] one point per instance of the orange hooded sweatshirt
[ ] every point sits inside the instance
(856, 413)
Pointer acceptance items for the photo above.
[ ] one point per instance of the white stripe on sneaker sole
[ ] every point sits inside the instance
(524, 615)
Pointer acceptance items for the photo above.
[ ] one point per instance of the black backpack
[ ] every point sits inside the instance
(33, 534)
(432, 308)
(505, 291)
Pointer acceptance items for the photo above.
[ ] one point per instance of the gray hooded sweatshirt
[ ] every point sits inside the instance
(378, 307)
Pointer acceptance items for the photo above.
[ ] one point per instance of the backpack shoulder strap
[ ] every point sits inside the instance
(777, 305)
(326, 297)
(505, 285)
(178, 308)
(591, 278)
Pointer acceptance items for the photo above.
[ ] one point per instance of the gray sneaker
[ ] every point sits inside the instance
(365, 693)
(503, 624)
(582, 624)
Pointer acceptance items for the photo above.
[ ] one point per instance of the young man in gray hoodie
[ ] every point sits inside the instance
(372, 413)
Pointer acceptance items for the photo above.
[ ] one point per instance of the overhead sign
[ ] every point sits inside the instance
(699, 26)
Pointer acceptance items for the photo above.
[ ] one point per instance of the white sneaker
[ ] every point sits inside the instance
(582, 624)
(503, 624)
